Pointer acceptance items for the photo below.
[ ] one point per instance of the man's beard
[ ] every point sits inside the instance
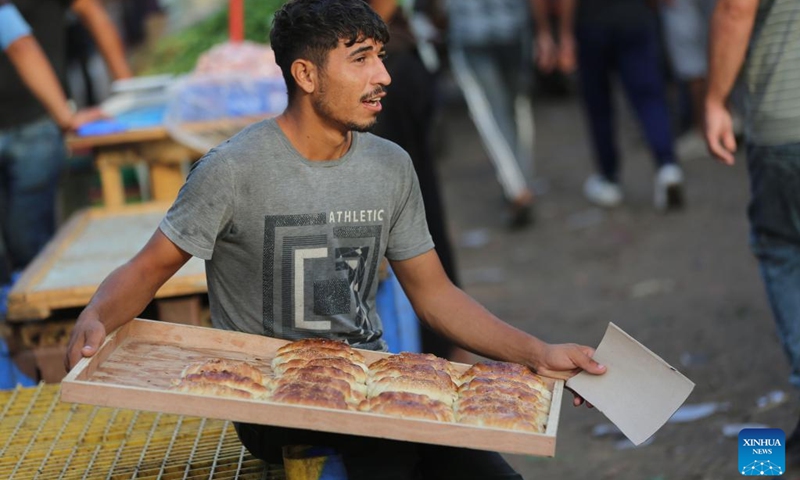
(323, 108)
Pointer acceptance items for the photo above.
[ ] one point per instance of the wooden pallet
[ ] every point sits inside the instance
(86, 249)
(166, 160)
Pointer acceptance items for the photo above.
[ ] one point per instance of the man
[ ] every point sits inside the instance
(765, 37)
(32, 150)
(35, 71)
(406, 118)
(293, 215)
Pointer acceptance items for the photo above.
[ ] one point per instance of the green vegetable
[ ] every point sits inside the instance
(178, 52)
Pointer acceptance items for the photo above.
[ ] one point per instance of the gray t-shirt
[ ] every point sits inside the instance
(772, 75)
(292, 247)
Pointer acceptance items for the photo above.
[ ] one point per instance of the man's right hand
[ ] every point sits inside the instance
(720, 137)
(86, 338)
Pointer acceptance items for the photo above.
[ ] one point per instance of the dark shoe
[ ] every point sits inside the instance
(521, 216)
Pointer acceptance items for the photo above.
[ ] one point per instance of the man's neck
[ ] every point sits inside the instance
(315, 140)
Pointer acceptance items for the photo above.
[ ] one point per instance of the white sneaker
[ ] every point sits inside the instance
(668, 191)
(601, 192)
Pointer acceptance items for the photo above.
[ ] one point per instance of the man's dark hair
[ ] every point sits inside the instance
(310, 29)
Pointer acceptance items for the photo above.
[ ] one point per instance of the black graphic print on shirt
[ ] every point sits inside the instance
(319, 270)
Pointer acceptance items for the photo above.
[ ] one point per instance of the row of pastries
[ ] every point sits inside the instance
(330, 374)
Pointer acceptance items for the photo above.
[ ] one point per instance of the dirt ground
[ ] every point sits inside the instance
(683, 284)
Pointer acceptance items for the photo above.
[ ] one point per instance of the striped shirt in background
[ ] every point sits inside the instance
(772, 75)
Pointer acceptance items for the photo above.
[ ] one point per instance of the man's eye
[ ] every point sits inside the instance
(361, 59)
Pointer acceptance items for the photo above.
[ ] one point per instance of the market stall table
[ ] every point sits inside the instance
(91, 245)
(166, 159)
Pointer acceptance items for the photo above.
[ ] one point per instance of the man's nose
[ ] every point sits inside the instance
(382, 76)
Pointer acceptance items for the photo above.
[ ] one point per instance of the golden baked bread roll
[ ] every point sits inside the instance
(314, 343)
(412, 385)
(351, 395)
(481, 405)
(211, 389)
(506, 371)
(526, 396)
(310, 394)
(324, 373)
(407, 359)
(227, 379)
(242, 369)
(315, 353)
(499, 419)
(408, 405)
(358, 371)
(493, 366)
(223, 377)
(419, 371)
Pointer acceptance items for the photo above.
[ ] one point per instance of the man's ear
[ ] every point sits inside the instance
(305, 75)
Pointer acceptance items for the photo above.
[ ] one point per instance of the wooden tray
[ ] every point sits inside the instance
(137, 363)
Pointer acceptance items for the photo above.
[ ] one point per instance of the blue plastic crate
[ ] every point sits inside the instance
(400, 323)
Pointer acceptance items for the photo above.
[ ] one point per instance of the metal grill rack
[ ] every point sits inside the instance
(43, 438)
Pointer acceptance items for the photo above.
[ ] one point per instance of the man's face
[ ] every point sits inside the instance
(351, 85)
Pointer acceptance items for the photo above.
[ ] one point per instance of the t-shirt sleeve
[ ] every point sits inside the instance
(408, 233)
(12, 25)
(204, 207)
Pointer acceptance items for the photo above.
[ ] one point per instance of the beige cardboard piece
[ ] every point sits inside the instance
(639, 392)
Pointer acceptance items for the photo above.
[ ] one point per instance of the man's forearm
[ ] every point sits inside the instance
(37, 74)
(123, 295)
(541, 16)
(457, 316)
(731, 27)
(566, 21)
(129, 289)
(105, 35)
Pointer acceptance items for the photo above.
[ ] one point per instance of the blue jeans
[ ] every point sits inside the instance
(31, 160)
(774, 214)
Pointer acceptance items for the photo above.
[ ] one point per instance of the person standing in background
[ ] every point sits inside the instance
(491, 56)
(35, 71)
(406, 119)
(32, 151)
(602, 37)
(686, 26)
(764, 38)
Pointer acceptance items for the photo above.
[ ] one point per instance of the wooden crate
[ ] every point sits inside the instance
(86, 249)
(138, 362)
(166, 160)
